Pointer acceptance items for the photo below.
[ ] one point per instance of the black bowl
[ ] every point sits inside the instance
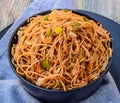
(57, 96)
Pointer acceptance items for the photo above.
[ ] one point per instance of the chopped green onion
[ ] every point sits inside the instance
(58, 30)
(85, 18)
(48, 32)
(46, 17)
(76, 26)
(45, 64)
(66, 10)
(39, 23)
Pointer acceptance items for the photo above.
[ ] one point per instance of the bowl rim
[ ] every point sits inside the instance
(50, 90)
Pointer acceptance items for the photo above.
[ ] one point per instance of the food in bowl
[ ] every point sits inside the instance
(61, 50)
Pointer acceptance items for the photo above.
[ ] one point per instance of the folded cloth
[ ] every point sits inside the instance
(11, 90)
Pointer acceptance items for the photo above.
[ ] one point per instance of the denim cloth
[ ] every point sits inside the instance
(11, 90)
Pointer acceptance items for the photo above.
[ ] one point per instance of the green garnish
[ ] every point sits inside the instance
(76, 26)
(48, 32)
(39, 23)
(46, 17)
(45, 64)
(58, 30)
(65, 10)
(85, 18)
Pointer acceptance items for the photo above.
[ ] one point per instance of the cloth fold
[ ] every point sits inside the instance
(11, 90)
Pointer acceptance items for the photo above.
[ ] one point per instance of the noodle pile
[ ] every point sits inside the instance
(61, 50)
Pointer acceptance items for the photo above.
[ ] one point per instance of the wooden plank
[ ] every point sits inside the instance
(107, 8)
(10, 10)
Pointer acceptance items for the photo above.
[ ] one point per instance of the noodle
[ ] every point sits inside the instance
(61, 50)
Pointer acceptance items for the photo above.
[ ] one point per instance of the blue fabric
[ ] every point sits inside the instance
(11, 90)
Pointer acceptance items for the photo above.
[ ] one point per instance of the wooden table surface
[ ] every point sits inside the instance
(11, 9)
